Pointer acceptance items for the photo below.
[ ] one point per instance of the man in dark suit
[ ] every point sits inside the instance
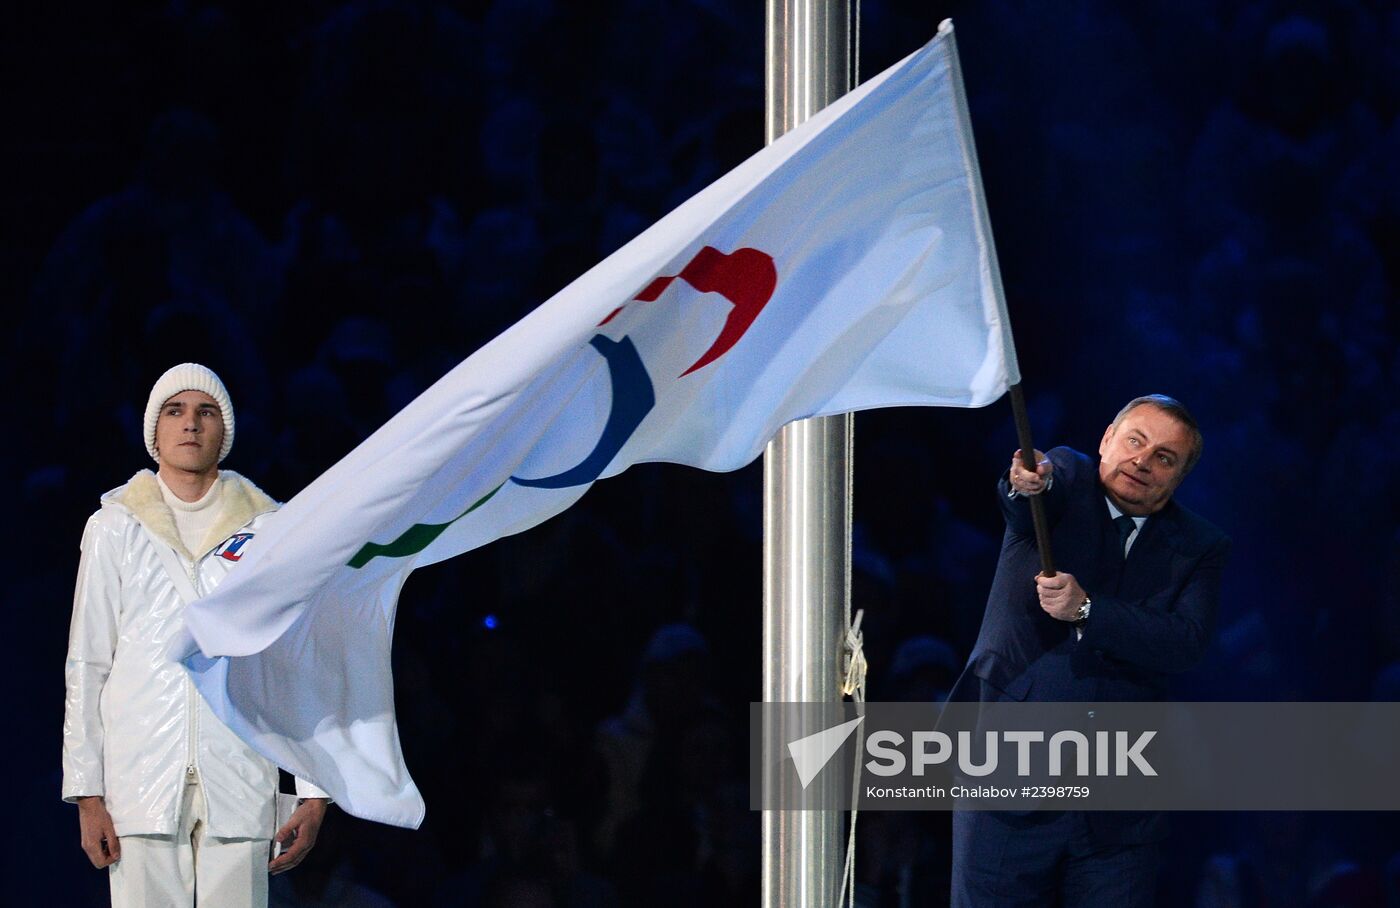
(1133, 601)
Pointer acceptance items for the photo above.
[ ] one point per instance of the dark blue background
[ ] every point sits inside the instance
(333, 203)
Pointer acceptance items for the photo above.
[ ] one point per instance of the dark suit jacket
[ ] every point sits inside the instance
(1151, 616)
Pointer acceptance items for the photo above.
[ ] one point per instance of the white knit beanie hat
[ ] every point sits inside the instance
(188, 377)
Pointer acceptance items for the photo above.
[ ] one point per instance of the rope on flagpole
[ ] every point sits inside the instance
(855, 43)
(853, 686)
(854, 662)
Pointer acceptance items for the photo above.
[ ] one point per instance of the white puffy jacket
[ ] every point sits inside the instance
(134, 727)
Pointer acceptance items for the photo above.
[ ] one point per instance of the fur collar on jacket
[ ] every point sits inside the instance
(242, 501)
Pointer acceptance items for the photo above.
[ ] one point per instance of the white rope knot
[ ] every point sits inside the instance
(854, 662)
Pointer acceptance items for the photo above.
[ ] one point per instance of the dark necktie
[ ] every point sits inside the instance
(1125, 525)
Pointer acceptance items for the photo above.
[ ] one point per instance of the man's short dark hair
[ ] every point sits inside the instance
(1177, 410)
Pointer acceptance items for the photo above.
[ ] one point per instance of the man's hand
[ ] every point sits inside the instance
(299, 835)
(96, 832)
(1060, 596)
(1026, 482)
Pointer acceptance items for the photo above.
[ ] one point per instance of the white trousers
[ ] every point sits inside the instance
(190, 868)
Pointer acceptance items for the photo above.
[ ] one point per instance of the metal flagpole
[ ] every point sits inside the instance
(807, 495)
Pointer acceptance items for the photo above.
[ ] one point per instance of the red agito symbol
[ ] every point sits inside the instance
(745, 277)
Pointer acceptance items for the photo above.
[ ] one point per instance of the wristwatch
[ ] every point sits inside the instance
(1083, 614)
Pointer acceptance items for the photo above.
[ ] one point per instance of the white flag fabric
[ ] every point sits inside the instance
(846, 266)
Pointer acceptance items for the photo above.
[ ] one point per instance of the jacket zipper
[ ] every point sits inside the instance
(192, 705)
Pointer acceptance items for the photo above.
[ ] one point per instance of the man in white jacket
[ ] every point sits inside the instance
(167, 796)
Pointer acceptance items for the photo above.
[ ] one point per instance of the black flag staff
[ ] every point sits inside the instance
(1023, 437)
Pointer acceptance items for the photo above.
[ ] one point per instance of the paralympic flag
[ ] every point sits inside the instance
(846, 266)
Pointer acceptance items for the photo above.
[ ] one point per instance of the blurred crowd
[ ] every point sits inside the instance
(332, 203)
